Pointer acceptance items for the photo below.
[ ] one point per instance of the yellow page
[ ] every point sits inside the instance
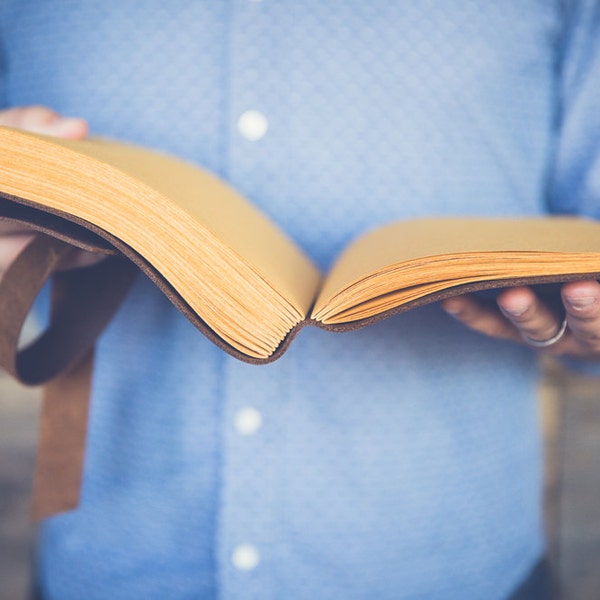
(409, 240)
(222, 210)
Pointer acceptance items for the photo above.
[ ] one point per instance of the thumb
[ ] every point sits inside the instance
(44, 120)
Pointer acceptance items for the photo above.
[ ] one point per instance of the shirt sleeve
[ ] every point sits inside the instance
(574, 180)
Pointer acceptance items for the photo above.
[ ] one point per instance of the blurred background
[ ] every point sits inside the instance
(570, 414)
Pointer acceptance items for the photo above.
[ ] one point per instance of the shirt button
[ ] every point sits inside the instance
(245, 557)
(247, 421)
(252, 125)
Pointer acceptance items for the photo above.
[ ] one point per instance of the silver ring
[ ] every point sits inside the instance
(550, 341)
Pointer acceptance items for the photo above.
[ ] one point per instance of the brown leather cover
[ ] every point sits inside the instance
(83, 234)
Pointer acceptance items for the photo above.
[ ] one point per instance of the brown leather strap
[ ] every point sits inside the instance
(61, 441)
(83, 302)
(19, 286)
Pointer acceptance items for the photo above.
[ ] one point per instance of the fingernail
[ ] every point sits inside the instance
(516, 310)
(452, 308)
(63, 127)
(581, 302)
(66, 125)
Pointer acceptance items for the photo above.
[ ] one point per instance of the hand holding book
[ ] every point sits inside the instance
(60, 457)
(523, 317)
(39, 119)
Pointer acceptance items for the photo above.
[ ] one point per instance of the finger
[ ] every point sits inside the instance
(41, 119)
(582, 304)
(532, 318)
(80, 258)
(12, 227)
(481, 317)
(10, 247)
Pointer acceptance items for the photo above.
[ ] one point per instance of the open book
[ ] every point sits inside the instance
(225, 265)
(235, 274)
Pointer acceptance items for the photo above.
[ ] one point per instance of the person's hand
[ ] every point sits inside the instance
(521, 316)
(39, 119)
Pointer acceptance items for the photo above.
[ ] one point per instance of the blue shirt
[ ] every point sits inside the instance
(398, 461)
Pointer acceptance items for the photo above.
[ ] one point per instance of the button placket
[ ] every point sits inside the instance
(249, 475)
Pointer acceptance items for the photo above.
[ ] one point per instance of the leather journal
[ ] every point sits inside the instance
(226, 266)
